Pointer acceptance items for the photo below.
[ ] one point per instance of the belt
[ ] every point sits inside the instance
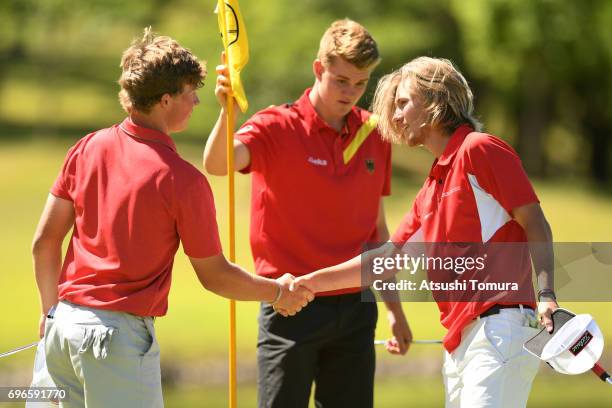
(496, 309)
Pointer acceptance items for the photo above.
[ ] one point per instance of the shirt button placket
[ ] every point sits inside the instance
(337, 156)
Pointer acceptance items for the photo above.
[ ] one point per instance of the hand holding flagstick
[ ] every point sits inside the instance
(223, 86)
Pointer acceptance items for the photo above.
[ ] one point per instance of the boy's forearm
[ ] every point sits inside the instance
(47, 268)
(542, 254)
(229, 280)
(240, 285)
(215, 151)
(539, 237)
(392, 300)
(344, 275)
(349, 274)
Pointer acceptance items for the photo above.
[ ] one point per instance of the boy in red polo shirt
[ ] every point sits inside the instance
(130, 199)
(477, 192)
(320, 170)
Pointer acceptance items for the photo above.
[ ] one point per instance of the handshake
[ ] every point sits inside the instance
(295, 294)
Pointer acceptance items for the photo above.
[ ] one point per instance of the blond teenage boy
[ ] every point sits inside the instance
(319, 171)
(477, 192)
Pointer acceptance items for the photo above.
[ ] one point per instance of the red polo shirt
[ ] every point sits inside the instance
(469, 197)
(135, 198)
(309, 209)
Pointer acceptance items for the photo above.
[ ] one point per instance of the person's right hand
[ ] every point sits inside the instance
(305, 281)
(291, 301)
(223, 86)
(402, 336)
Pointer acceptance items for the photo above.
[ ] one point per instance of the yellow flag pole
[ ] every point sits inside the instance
(232, 248)
(234, 60)
(229, 109)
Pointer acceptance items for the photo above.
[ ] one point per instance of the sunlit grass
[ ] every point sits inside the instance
(196, 326)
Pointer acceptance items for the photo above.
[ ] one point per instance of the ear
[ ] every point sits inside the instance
(318, 68)
(165, 100)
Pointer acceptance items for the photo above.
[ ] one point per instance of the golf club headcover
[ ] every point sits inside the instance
(573, 347)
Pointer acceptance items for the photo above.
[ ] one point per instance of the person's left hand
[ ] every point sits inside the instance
(305, 281)
(41, 325)
(545, 309)
(292, 300)
(402, 336)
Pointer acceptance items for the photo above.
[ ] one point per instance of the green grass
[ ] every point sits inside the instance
(548, 391)
(196, 326)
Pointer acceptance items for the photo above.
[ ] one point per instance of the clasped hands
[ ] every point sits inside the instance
(295, 295)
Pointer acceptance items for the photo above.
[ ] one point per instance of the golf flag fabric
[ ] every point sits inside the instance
(236, 46)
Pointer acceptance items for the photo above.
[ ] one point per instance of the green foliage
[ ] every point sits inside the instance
(196, 327)
(539, 68)
(535, 66)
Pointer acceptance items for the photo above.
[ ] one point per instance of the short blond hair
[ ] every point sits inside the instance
(349, 40)
(153, 66)
(445, 94)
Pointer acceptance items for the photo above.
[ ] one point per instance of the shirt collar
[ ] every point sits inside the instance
(147, 134)
(456, 140)
(315, 122)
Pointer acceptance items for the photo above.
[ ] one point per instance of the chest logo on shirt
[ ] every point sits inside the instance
(317, 162)
(244, 129)
(369, 163)
(451, 191)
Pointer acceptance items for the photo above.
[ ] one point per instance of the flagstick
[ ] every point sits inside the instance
(232, 252)
(229, 109)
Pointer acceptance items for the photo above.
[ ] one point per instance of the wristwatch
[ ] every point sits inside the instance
(547, 293)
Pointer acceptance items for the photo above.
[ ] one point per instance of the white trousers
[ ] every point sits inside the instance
(490, 368)
(103, 358)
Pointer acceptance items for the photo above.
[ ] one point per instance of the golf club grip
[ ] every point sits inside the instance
(600, 372)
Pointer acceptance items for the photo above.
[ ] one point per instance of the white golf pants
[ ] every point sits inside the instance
(103, 358)
(490, 368)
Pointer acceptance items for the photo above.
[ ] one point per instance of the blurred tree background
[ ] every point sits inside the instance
(540, 69)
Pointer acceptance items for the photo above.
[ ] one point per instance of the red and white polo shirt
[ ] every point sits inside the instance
(468, 198)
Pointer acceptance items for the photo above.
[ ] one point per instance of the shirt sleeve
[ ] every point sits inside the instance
(257, 134)
(410, 224)
(196, 221)
(65, 182)
(499, 171)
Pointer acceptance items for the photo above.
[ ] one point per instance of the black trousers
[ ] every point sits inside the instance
(330, 342)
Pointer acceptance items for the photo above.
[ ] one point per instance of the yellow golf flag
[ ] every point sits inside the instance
(236, 45)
